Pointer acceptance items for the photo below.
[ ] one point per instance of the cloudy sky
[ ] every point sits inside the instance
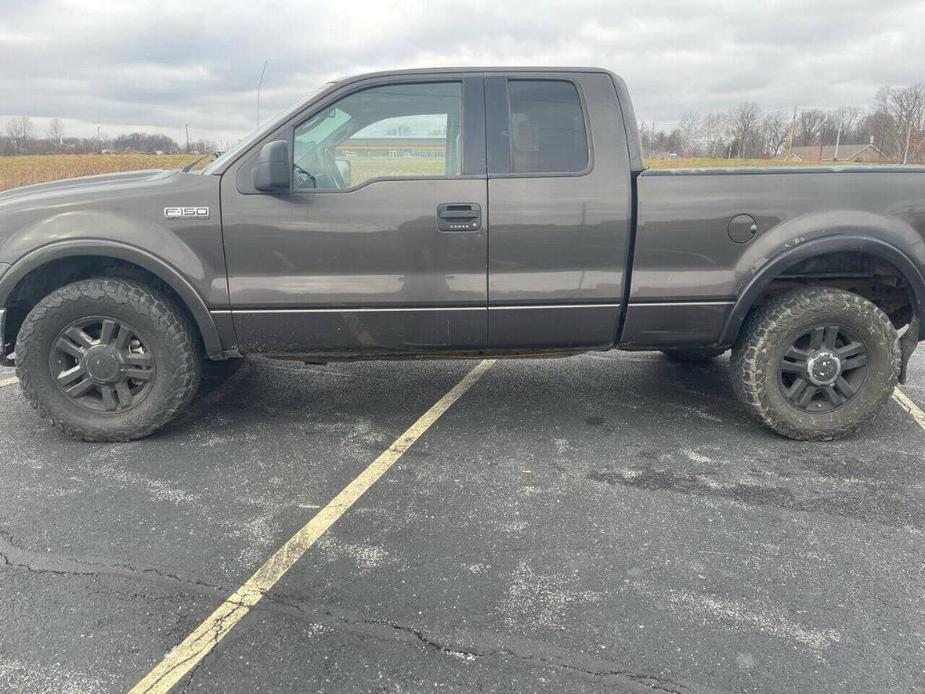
(157, 65)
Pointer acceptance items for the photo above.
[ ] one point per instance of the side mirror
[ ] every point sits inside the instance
(274, 168)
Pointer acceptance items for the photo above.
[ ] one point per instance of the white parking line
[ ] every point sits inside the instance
(906, 403)
(179, 661)
(8, 381)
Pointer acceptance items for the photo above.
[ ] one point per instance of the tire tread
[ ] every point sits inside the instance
(751, 354)
(184, 354)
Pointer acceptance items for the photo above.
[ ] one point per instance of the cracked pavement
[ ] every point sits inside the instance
(611, 522)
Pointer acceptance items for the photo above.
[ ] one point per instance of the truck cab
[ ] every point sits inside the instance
(436, 211)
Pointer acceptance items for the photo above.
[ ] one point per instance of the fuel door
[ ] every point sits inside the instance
(742, 228)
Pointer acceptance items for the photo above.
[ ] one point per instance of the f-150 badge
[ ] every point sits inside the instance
(186, 212)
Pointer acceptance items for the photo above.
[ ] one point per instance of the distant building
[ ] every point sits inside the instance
(393, 147)
(862, 153)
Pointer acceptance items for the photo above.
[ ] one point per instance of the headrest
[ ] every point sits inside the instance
(526, 138)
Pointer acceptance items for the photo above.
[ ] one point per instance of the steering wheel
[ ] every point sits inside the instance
(306, 176)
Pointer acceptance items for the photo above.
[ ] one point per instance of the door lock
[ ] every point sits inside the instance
(459, 216)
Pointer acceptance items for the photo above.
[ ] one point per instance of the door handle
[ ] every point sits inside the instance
(459, 216)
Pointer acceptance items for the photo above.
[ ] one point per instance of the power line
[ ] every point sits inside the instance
(259, 85)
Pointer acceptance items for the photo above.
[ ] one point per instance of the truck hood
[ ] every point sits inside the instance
(84, 184)
(124, 208)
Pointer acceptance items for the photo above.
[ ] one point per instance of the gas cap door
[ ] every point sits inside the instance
(742, 228)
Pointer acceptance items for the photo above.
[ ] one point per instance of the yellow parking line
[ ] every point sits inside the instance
(179, 661)
(906, 403)
(8, 381)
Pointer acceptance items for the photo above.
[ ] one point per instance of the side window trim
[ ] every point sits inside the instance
(458, 84)
(498, 119)
(472, 129)
(473, 126)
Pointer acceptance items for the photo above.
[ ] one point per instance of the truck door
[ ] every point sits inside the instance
(560, 201)
(380, 245)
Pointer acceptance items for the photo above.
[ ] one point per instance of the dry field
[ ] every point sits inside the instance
(365, 168)
(21, 171)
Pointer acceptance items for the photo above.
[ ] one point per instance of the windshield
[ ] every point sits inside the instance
(246, 142)
(317, 130)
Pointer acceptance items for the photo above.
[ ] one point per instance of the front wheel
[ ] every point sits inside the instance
(816, 363)
(107, 359)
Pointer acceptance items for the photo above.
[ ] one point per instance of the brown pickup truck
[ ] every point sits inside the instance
(459, 213)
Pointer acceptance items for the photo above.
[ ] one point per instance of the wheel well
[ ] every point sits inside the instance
(874, 278)
(43, 280)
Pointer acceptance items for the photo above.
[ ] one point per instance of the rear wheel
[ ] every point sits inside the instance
(107, 359)
(816, 363)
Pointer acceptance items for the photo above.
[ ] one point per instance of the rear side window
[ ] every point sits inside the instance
(547, 127)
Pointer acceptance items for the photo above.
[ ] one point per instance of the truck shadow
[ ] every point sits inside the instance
(640, 423)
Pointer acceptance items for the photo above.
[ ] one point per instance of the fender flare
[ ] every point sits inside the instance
(130, 254)
(756, 287)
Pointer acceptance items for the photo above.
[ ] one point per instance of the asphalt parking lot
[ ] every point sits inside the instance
(611, 522)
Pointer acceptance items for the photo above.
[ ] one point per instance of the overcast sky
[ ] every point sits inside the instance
(157, 65)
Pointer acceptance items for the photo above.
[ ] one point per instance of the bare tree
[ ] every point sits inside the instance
(743, 122)
(906, 105)
(56, 131)
(810, 124)
(877, 127)
(846, 118)
(20, 130)
(775, 129)
(714, 125)
(689, 127)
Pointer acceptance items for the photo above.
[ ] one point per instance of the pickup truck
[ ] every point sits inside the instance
(460, 213)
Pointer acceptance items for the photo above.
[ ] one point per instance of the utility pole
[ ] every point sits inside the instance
(259, 85)
(793, 125)
(908, 138)
(187, 139)
(837, 142)
(99, 137)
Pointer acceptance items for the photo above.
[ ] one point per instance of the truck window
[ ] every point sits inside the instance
(547, 127)
(393, 131)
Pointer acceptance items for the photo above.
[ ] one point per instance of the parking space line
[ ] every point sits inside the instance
(179, 661)
(906, 403)
(8, 381)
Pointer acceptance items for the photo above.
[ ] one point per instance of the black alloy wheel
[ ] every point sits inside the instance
(823, 369)
(102, 364)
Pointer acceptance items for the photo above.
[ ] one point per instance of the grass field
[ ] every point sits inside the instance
(21, 171)
(365, 168)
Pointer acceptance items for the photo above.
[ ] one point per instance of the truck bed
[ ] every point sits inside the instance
(688, 272)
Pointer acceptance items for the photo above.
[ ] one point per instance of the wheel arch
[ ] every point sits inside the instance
(122, 254)
(759, 284)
